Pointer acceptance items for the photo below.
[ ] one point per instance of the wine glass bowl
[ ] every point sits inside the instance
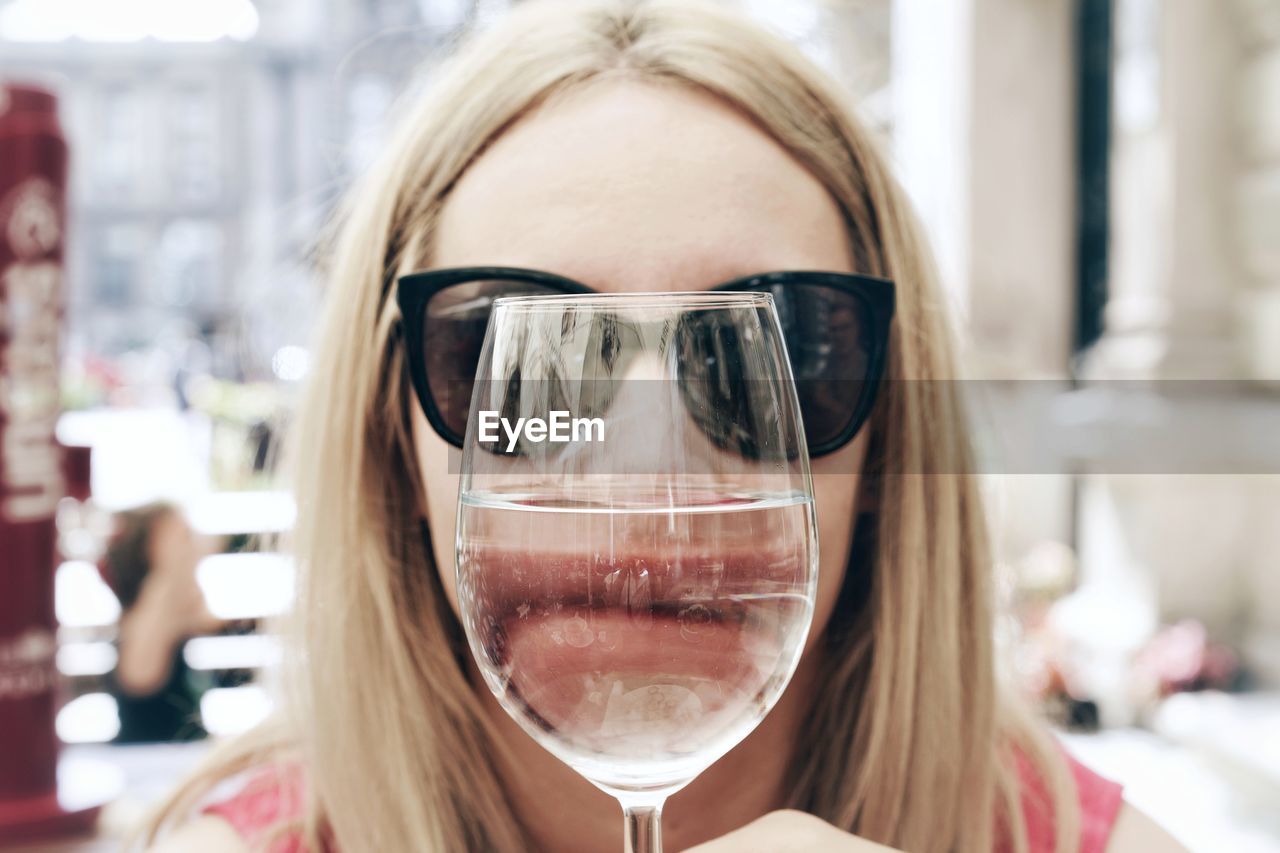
(636, 551)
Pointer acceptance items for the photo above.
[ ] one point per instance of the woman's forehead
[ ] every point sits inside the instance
(637, 186)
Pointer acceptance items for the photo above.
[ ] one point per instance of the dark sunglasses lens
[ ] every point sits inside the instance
(829, 334)
(452, 334)
(724, 389)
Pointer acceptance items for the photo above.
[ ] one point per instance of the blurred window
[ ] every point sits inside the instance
(188, 262)
(193, 144)
(116, 155)
(118, 264)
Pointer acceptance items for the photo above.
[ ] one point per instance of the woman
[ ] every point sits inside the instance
(630, 147)
(150, 565)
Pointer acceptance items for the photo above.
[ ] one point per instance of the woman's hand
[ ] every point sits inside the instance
(789, 832)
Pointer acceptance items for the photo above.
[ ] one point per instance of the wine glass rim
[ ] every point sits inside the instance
(639, 299)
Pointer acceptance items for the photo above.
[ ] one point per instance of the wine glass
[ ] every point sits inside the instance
(636, 551)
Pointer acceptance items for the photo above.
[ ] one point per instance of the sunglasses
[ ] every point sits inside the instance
(835, 326)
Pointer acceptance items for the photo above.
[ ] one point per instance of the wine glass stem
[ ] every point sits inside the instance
(643, 827)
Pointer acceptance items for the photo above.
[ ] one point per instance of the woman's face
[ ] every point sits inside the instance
(627, 186)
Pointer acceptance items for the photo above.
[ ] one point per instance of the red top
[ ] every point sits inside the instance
(1099, 799)
(275, 796)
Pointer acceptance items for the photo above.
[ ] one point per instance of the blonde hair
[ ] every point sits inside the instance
(911, 744)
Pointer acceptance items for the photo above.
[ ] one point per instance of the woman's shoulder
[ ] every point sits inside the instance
(206, 834)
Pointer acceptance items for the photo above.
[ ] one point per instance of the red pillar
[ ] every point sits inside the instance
(33, 168)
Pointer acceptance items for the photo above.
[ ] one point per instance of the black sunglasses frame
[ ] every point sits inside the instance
(877, 295)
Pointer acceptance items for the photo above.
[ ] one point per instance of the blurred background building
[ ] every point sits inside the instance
(1101, 183)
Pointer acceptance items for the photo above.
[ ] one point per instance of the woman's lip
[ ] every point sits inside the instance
(564, 668)
(518, 583)
(615, 640)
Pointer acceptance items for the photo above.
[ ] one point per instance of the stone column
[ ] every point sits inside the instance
(1256, 206)
(984, 136)
(1256, 217)
(1175, 275)
(983, 128)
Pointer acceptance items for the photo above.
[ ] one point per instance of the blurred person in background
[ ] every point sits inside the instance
(150, 565)
(634, 146)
